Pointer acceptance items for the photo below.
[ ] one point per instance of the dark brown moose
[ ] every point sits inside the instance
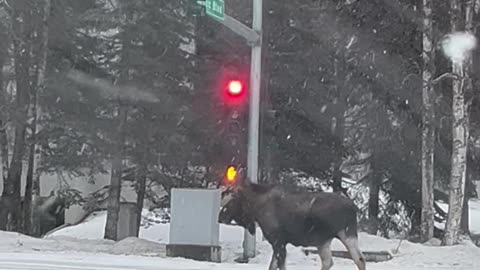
(300, 218)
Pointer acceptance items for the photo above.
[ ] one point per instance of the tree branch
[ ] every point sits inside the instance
(443, 76)
(4, 4)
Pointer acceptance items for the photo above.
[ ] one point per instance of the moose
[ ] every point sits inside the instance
(300, 218)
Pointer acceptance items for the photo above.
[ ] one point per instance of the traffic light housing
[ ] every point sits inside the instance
(233, 93)
(234, 138)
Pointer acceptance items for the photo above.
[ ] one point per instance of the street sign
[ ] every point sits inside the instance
(215, 9)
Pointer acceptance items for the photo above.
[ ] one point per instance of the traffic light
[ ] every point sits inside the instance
(235, 88)
(232, 91)
(231, 175)
(232, 84)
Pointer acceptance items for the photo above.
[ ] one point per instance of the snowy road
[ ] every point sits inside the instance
(91, 261)
(83, 261)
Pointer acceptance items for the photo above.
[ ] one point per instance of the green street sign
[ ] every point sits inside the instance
(215, 9)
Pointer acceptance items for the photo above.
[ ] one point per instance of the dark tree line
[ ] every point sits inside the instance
(128, 88)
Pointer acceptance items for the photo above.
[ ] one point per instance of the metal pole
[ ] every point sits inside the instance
(254, 116)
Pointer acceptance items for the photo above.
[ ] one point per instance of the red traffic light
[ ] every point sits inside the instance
(235, 87)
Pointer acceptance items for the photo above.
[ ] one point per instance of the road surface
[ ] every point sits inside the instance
(84, 261)
(97, 261)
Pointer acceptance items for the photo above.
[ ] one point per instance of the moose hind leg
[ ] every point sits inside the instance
(278, 258)
(351, 243)
(326, 255)
(282, 257)
(273, 261)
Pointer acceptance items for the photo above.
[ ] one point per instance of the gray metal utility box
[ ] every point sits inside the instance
(194, 227)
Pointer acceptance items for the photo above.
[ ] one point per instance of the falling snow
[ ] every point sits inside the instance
(458, 46)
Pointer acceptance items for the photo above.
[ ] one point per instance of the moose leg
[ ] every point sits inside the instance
(278, 258)
(351, 243)
(282, 256)
(326, 255)
(274, 261)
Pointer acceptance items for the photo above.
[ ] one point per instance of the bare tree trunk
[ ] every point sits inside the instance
(459, 145)
(468, 85)
(37, 115)
(338, 157)
(465, 219)
(4, 147)
(27, 201)
(10, 213)
(338, 130)
(142, 177)
(457, 180)
(113, 203)
(3, 105)
(141, 188)
(373, 204)
(428, 128)
(3, 120)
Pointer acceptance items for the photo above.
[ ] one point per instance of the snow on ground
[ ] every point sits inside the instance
(154, 237)
(81, 247)
(84, 261)
(474, 207)
(14, 242)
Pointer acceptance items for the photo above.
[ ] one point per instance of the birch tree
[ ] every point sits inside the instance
(460, 131)
(470, 14)
(428, 128)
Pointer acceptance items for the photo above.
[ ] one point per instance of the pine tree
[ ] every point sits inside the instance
(10, 212)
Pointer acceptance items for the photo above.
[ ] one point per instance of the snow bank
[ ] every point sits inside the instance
(138, 246)
(88, 237)
(474, 211)
(19, 243)
(153, 238)
(474, 206)
(91, 228)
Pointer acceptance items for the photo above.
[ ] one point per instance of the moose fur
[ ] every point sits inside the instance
(300, 218)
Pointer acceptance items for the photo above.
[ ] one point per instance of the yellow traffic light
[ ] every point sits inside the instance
(231, 174)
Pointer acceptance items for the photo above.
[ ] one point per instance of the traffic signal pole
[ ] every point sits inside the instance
(254, 117)
(215, 9)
